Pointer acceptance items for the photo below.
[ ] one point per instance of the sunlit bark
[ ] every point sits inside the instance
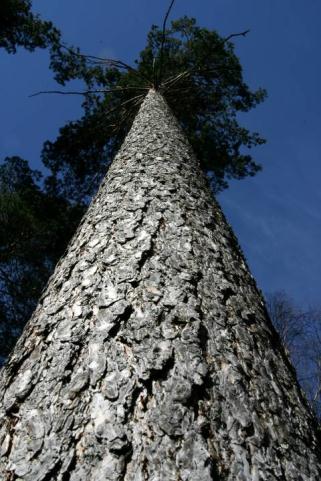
(150, 355)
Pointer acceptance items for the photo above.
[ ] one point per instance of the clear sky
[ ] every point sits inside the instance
(276, 215)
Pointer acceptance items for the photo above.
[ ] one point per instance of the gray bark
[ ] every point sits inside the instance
(150, 355)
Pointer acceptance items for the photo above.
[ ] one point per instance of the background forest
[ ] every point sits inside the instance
(69, 140)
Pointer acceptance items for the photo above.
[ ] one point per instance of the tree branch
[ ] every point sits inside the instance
(169, 82)
(109, 61)
(161, 53)
(87, 92)
(241, 34)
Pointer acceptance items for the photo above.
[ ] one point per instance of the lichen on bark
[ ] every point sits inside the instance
(150, 356)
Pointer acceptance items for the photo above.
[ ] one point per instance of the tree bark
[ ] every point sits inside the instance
(151, 355)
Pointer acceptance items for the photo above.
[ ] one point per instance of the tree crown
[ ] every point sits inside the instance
(201, 78)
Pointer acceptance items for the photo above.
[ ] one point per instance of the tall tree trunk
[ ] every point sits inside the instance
(150, 355)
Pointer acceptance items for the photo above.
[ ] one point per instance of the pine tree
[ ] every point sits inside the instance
(200, 78)
(150, 355)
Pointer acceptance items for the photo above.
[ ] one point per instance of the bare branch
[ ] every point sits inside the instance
(135, 99)
(241, 34)
(161, 54)
(126, 111)
(99, 59)
(174, 77)
(108, 61)
(88, 92)
(60, 92)
(174, 80)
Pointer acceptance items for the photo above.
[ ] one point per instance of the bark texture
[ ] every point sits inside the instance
(150, 356)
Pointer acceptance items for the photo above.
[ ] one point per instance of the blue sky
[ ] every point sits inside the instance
(276, 215)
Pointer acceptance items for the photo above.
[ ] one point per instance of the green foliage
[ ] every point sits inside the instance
(34, 230)
(20, 27)
(201, 78)
(34, 226)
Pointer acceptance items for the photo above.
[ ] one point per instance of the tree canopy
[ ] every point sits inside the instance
(201, 78)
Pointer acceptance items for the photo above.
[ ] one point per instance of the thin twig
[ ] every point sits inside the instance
(175, 78)
(161, 53)
(131, 99)
(126, 102)
(88, 92)
(60, 92)
(108, 61)
(169, 85)
(241, 34)
(100, 59)
(137, 100)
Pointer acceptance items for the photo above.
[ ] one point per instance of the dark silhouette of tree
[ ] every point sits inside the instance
(34, 230)
(20, 27)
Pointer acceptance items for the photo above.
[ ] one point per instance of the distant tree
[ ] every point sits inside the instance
(300, 334)
(289, 320)
(34, 230)
(20, 27)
